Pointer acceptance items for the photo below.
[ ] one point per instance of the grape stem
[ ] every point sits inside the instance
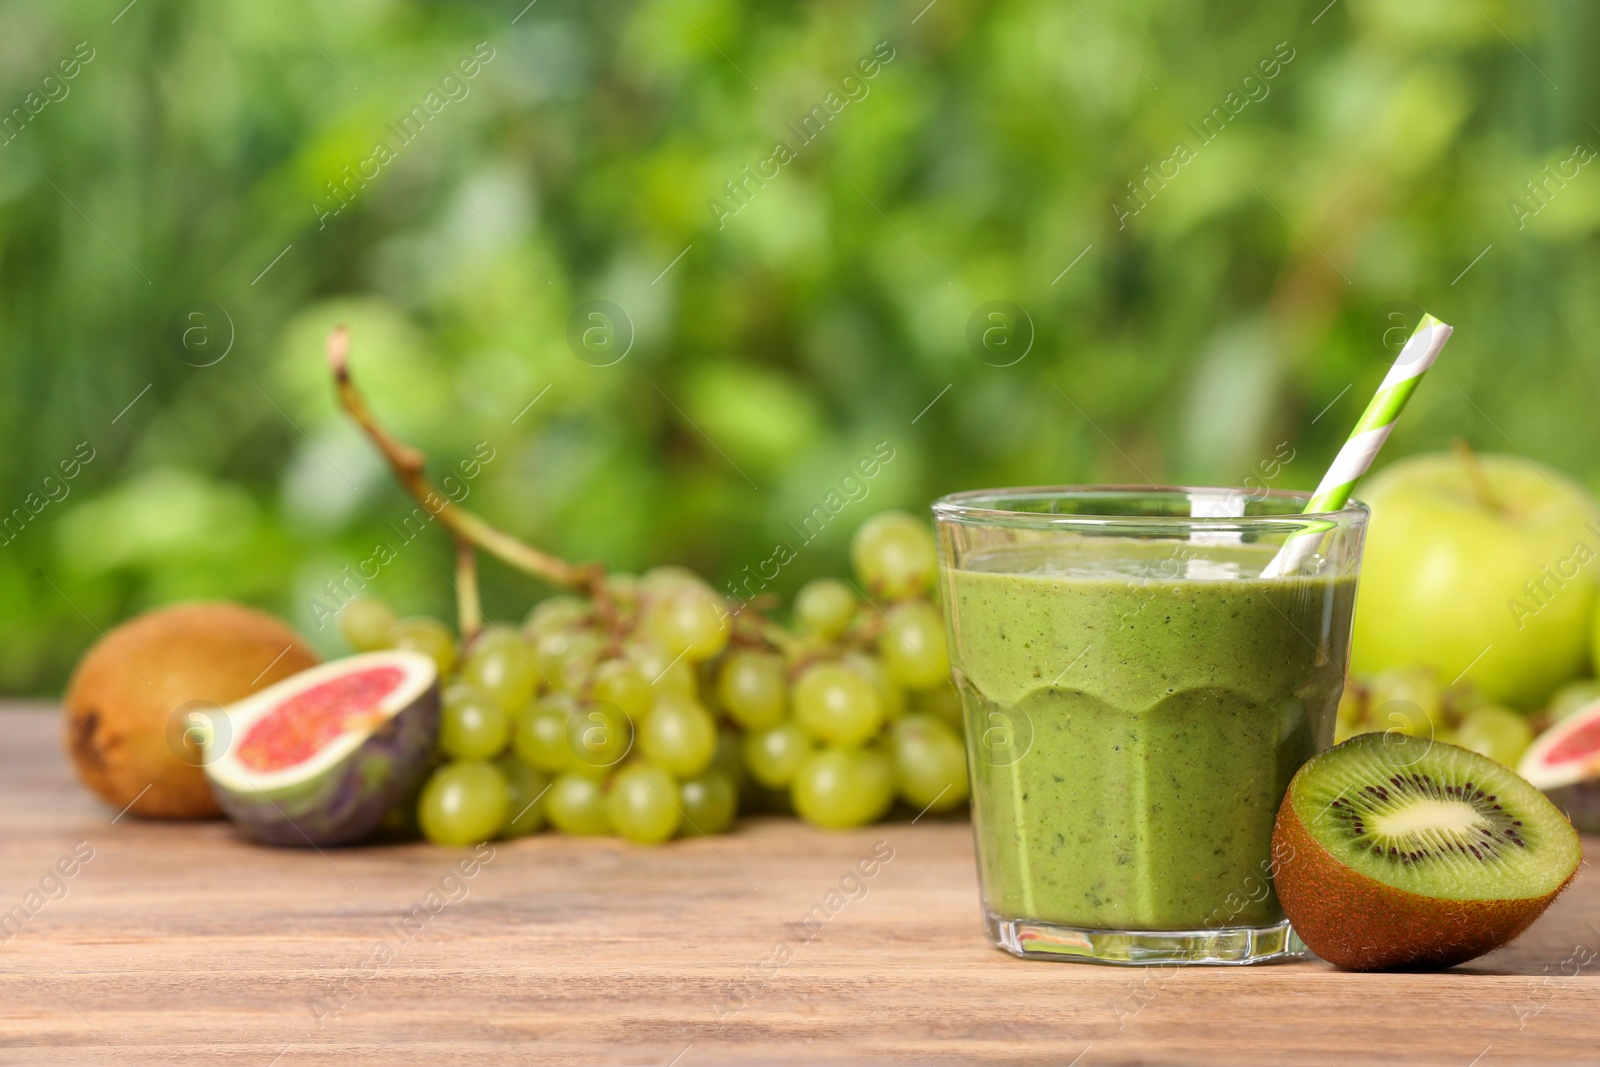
(866, 629)
(798, 654)
(408, 466)
(468, 611)
(764, 630)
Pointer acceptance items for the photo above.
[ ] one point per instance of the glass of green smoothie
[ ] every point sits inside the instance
(1137, 696)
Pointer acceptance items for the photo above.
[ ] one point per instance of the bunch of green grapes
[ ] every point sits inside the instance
(658, 711)
(861, 710)
(1413, 700)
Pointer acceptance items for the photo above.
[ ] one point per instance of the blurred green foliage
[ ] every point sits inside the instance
(1239, 309)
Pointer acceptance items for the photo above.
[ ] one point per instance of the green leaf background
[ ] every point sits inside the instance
(1238, 310)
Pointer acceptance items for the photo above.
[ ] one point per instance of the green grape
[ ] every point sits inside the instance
(943, 703)
(1407, 699)
(1570, 697)
(552, 647)
(659, 580)
(893, 555)
(624, 588)
(576, 805)
(1352, 710)
(690, 619)
(564, 657)
(525, 800)
(463, 803)
(501, 665)
(576, 671)
(457, 688)
(368, 624)
(839, 787)
(680, 736)
(837, 704)
(665, 671)
(825, 607)
(540, 740)
(930, 764)
(1404, 717)
(1496, 732)
(560, 612)
(710, 803)
(599, 735)
(430, 637)
(472, 725)
(774, 756)
(642, 804)
(621, 682)
(890, 696)
(729, 758)
(1459, 699)
(753, 690)
(912, 646)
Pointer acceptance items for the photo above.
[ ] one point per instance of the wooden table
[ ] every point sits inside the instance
(178, 944)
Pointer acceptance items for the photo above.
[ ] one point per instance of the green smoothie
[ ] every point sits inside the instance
(1135, 710)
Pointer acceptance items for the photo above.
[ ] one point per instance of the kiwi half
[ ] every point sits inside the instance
(1400, 852)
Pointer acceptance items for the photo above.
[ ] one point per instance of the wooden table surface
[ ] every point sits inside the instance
(179, 944)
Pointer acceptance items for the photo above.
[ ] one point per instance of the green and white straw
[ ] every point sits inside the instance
(1368, 436)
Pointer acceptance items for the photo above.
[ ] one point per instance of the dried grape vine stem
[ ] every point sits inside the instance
(468, 609)
(468, 529)
(755, 628)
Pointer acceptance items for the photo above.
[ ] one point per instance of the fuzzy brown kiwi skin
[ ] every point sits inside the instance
(1360, 924)
(124, 691)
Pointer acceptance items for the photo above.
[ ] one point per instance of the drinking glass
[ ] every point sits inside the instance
(1137, 696)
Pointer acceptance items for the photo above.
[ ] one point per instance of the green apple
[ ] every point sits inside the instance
(1482, 566)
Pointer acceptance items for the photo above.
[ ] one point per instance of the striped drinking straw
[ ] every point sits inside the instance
(1368, 436)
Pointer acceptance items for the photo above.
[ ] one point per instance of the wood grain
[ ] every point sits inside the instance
(180, 944)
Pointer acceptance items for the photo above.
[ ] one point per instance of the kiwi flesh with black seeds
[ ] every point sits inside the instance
(1397, 852)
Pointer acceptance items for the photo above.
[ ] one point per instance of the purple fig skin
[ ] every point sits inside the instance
(1581, 802)
(347, 802)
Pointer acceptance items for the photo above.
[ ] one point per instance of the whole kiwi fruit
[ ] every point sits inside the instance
(130, 705)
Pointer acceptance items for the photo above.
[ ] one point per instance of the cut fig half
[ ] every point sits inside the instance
(321, 757)
(1564, 761)
(1567, 753)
